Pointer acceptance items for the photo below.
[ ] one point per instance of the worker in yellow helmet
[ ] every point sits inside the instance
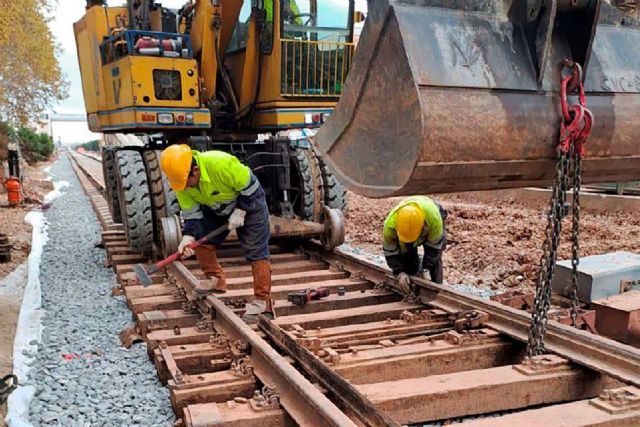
(214, 188)
(289, 9)
(415, 221)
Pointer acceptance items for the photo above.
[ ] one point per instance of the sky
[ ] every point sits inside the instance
(68, 12)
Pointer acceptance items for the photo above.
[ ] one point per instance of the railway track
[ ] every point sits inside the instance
(364, 355)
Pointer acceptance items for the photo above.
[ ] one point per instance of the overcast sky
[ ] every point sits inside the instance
(68, 12)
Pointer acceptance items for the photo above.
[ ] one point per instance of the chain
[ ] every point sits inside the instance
(542, 299)
(575, 234)
(575, 127)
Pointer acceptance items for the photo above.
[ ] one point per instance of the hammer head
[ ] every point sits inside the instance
(143, 276)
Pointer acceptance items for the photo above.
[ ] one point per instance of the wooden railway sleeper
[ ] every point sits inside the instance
(202, 350)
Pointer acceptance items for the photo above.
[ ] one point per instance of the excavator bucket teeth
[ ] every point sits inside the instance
(447, 96)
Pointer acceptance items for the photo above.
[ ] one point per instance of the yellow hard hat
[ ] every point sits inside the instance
(175, 162)
(409, 223)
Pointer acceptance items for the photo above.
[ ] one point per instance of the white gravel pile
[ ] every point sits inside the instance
(82, 374)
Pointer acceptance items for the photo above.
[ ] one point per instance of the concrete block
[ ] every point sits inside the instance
(599, 276)
(618, 317)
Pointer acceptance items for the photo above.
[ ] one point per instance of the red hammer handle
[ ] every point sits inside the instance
(168, 260)
(175, 256)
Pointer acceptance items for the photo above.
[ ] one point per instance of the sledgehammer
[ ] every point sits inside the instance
(144, 274)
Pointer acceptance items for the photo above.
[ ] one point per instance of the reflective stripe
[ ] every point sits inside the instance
(390, 250)
(193, 213)
(224, 209)
(390, 253)
(438, 245)
(253, 186)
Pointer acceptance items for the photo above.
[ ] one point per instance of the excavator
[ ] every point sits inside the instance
(255, 79)
(439, 96)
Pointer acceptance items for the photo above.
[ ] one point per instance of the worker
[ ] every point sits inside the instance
(13, 150)
(290, 11)
(214, 188)
(415, 221)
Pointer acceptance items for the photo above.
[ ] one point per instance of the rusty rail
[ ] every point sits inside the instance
(302, 400)
(604, 355)
(378, 359)
(94, 180)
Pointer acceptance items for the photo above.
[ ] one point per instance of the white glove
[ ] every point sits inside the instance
(185, 251)
(404, 283)
(236, 220)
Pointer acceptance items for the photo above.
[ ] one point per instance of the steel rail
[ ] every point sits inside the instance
(308, 406)
(328, 378)
(96, 183)
(299, 397)
(596, 352)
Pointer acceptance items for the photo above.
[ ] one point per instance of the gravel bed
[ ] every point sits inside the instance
(83, 376)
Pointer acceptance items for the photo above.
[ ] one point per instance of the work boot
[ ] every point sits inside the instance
(208, 260)
(262, 290)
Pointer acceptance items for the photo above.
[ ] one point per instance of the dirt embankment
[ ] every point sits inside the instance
(496, 245)
(19, 232)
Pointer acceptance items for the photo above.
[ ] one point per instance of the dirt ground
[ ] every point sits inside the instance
(19, 232)
(496, 245)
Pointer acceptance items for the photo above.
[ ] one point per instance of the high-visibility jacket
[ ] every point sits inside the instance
(222, 179)
(268, 7)
(432, 231)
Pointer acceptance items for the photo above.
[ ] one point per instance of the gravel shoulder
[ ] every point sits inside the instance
(82, 374)
(495, 246)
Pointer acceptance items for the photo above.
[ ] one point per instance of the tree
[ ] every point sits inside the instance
(35, 147)
(30, 75)
(92, 145)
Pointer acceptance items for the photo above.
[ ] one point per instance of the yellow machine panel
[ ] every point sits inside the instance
(90, 31)
(130, 81)
(260, 73)
(137, 80)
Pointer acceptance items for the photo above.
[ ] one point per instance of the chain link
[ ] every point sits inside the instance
(575, 127)
(575, 235)
(542, 299)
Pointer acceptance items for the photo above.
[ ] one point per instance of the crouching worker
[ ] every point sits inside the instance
(214, 188)
(415, 221)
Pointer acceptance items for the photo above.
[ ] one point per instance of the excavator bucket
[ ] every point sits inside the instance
(459, 95)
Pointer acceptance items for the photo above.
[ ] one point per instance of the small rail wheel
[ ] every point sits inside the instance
(333, 221)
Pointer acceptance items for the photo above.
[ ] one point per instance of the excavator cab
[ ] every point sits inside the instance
(299, 53)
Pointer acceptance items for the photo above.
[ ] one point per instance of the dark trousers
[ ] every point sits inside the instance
(14, 164)
(253, 235)
(409, 262)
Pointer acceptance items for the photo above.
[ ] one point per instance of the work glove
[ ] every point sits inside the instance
(183, 248)
(236, 220)
(404, 283)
